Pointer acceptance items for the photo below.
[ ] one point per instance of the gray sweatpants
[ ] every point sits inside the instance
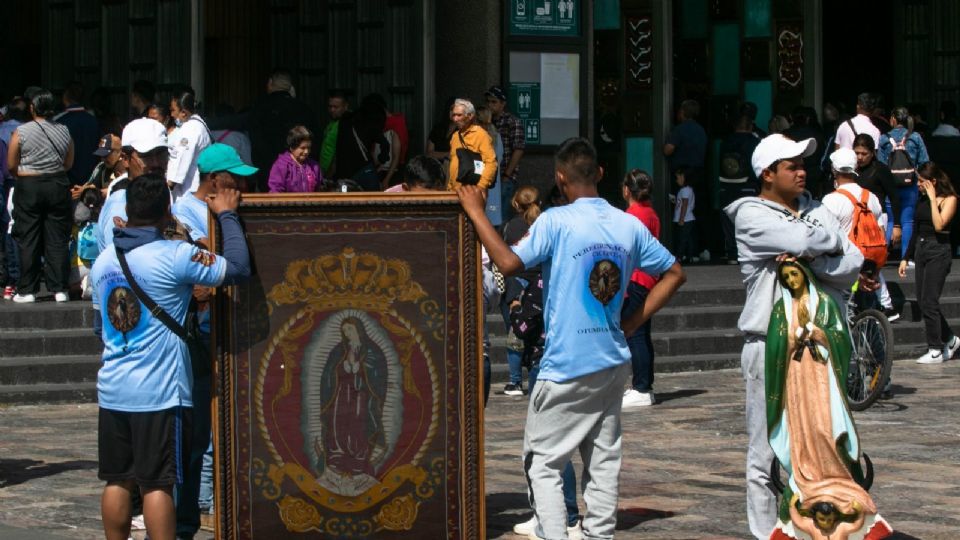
(582, 414)
(761, 500)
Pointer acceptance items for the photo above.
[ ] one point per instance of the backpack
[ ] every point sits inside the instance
(87, 247)
(901, 165)
(865, 232)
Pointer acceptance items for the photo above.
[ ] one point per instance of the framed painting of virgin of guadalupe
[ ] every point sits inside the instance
(348, 370)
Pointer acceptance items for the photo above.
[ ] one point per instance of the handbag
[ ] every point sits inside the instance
(198, 347)
(470, 164)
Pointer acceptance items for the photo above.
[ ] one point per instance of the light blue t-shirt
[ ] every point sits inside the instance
(588, 250)
(114, 206)
(146, 367)
(192, 212)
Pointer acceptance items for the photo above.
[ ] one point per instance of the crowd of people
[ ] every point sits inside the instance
(576, 279)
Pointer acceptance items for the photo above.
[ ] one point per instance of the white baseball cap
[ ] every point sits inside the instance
(776, 147)
(844, 161)
(144, 134)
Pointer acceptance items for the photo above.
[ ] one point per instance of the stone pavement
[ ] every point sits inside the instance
(681, 479)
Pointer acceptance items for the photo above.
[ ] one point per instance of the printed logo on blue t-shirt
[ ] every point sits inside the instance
(123, 311)
(605, 280)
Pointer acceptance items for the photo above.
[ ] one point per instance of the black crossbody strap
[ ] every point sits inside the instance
(145, 299)
(463, 143)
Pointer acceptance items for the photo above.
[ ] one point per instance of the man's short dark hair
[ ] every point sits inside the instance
(148, 200)
(73, 92)
(867, 101)
(690, 108)
(374, 100)
(154, 161)
(425, 172)
(338, 94)
(749, 109)
(18, 109)
(948, 111)
(577, 159)
(144, 89)
(281, 80)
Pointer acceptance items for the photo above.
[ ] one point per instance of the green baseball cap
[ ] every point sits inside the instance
(221, 157)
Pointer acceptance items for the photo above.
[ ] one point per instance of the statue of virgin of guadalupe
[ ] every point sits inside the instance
(809, 425)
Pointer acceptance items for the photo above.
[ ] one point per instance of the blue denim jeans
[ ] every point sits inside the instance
(186, 496)
(908, 204)
(640, 343)
(569, 476)
(514, 358)
(515, 362)
(205, 499)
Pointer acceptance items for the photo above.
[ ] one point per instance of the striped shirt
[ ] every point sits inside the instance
(37, 154)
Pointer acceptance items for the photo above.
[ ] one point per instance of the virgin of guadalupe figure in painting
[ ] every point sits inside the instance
(354, 388)
(809, 425)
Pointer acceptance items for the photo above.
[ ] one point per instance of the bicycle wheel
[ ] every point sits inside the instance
(870, 360)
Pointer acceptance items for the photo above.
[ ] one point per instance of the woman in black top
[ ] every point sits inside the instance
(929, 248)
(876, 178)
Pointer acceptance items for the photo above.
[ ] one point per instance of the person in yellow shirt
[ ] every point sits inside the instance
(473, 137)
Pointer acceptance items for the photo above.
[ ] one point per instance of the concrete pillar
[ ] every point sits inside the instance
(468, 48)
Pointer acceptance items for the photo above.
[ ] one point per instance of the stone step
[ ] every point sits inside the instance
(908, 335)
(45, 343)
(725, 292)
(49, 370)
(28, 394)
(46, 315)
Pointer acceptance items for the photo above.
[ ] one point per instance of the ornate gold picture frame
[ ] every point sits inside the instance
(348, 370)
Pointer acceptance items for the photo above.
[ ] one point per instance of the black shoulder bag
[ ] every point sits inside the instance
(468, 164)
(198, 348)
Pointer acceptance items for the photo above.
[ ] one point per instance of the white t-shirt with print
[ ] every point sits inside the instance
(685, 193)
(842, 208)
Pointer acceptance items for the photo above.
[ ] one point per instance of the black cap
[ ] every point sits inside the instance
(496, 92)
(104, 146)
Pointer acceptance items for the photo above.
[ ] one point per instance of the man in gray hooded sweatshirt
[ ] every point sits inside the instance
(782, 222)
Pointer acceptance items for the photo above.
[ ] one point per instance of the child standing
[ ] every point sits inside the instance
(295, 171)
(683, 218)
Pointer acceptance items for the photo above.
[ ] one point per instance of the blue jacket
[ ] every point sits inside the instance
(914, 146)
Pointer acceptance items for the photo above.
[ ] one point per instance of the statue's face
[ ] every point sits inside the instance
(351, 333)
(825, 520)
(793, 277)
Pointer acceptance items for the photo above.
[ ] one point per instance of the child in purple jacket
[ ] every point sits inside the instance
(294, 171)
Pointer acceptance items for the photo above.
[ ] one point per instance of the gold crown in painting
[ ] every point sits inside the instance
(348, 279)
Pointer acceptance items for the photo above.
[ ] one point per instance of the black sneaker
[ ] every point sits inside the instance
(513, 389)
(891, 313)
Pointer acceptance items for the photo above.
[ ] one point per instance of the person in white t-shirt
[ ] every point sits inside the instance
(684, 221)
(860, 123)
(844, 163)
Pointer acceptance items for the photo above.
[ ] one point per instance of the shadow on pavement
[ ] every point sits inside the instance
(19, 471)
(502, 511)
(901, 536)
(902, 390)
(679, 394)
(628, 518)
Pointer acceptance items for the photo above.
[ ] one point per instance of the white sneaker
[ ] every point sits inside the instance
(24, 298)
(137, 524)
(933, 356)
(633, 398)
(529, 528)
(952, 347)
(705, 256)
(61, 297)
